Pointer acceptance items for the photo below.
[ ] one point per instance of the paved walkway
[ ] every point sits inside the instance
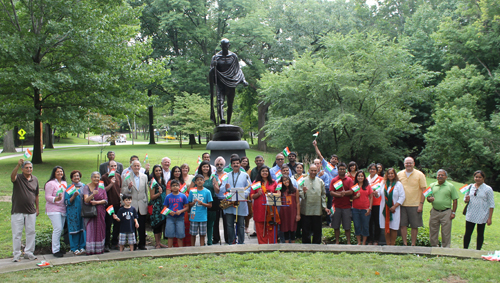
(6, 265)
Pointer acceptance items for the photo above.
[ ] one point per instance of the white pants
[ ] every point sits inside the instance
(18, 222)
(57, 220)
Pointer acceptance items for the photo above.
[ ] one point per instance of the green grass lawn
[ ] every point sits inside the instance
(270, 267)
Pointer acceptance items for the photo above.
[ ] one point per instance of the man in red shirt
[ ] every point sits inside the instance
(340, 190)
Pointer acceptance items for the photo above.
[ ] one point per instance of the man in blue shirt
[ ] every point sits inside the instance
(280, 160)
(236, 179)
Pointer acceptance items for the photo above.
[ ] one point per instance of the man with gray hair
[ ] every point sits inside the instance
(444, 205)
(24, 210)
(280, 160)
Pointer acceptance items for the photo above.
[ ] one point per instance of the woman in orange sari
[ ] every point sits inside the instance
(261, 212)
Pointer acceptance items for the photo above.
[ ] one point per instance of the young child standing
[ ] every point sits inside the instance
(178, 204)
(127, 216)
(199, 199)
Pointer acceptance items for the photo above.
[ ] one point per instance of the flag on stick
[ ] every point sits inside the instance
(279, 186)
(153, 183)
(256, 185)
(315, 135)
(112, 173)
(183, 188)
(329, 167)
(166, 210)
(286, 151)
(356, 188)
(71, 190)
(332, 210)
(110, 210)
(465, 189)
(127, 176)
(199, 160)
(146, 159)
(428, 192)
(301, 180)
(61, 189)
(101, 185)
(27, 154)
(337, 185)
(278, 175)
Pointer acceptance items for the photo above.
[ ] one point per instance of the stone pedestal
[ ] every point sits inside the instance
(227, 141)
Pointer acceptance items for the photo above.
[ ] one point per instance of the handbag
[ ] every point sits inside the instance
(89, 211)
(466, 206)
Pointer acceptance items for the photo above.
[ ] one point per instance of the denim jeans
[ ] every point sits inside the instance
(361, 222)
(230, 218)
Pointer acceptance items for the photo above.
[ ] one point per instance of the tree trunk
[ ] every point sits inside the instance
(262, 115)
(180, 139)
(48, 136)
(199, 137)
(151, 120)
(37, 124)
(8, 142)
(192, 140)
(251, 137)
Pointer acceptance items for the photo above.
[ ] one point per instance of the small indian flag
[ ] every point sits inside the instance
(301, 180)
(229, 195)
(183, 188)
(166, 210)
(71, 190)
(376, 186)
(329, 167)
(27, 154)
(464, 189)
(199, 160)
(332, 210)
(286, 151)
(146, 159)
(62, 188)
(278, 174)
(279, 186)
(223, 177)
(256, 185)
(337, 185)
(101, 185)
(127, 176)
(428, 192)
(316, 134)
(356, 188)
(110, 210)
(112, 173)
(153, 183)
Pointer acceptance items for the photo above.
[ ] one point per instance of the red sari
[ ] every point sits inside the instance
(264, 235)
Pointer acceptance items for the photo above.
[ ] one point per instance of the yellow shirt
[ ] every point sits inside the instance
(413, 186)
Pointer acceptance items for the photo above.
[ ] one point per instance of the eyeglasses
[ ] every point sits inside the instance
(219, 164)
(280, 159)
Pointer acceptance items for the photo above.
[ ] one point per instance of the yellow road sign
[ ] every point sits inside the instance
(21, 132)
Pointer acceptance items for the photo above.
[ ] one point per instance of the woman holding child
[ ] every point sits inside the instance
(157, 194)
(73, 214)
(95, 226)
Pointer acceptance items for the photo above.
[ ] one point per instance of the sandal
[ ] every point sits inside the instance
(77, 252)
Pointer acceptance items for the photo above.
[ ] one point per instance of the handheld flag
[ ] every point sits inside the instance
(223, 177)
(101, 185)
(465, 189)
(428, 192)
(279, 186)
(71, 190)
(356, 188)
(199, 160)
(337, 185)
(256, 185)
(278, 174)
(166, 210)
(27, 154)
(316, 134)
(127, 176)
(332, 210)
(146, 159)
(376, 185)
(153, 183)
(329, 167)
(61, 189)
(112, 173)
(301, 180)
(183, 188)
(228, 195)
(110, 210)
(286, 151)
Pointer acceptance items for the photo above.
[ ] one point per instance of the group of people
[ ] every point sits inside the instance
(285, 202)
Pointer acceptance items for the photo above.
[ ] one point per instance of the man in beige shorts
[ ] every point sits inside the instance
(414, 184)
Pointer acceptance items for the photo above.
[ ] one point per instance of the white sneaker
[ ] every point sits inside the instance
(29, 256)
(16, 258)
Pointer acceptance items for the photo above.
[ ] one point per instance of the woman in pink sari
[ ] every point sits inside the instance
(95, 226)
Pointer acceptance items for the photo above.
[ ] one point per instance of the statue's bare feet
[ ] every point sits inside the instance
(223, 121)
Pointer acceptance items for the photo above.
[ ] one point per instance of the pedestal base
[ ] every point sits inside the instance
(227, 132)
